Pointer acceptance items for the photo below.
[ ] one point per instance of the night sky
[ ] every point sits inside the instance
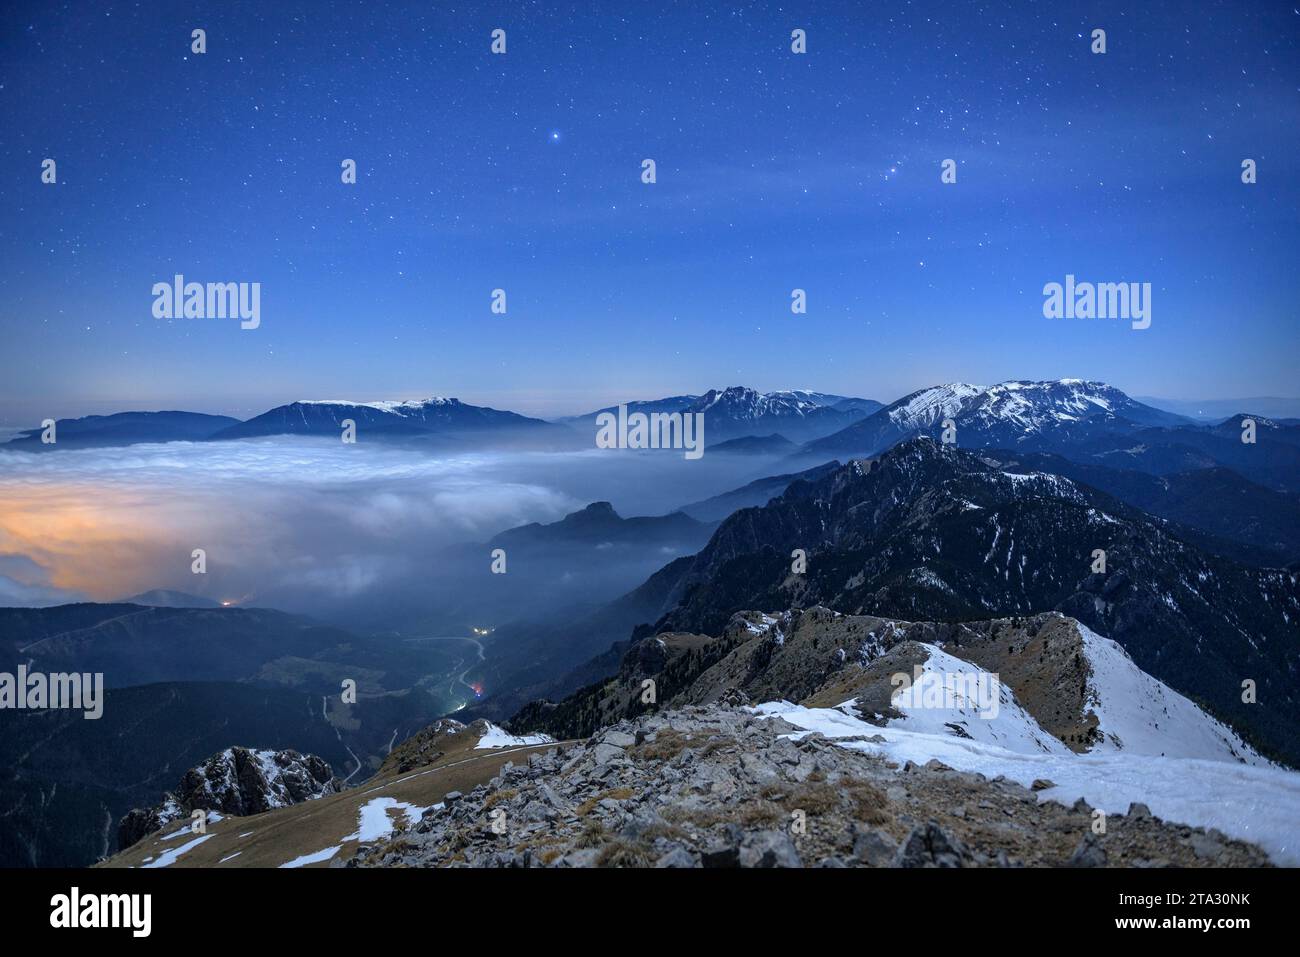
(775, 171)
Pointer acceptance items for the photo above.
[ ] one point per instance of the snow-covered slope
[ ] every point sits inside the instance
(955, 697)
(1156, 746)
(1257, 804)
(409, 408)
(929, 407)
(1135, 712)
(1034, 406)
(1140, 715)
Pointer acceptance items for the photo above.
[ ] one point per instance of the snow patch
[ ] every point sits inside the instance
(500, 738)
(170, 857)
(314, 858)
(1005, 724)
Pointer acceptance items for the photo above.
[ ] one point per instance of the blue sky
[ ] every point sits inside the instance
(775, 171)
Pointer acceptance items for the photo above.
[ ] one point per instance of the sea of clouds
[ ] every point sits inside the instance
(298, 523)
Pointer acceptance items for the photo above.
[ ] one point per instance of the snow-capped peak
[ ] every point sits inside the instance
(1029, 406)
(397, 407)
(741, 403)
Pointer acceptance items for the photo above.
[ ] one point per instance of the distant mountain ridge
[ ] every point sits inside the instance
(1006, 415)
(588, 557)
(1087, 422)
(419, 418)
(740, 412)
(167, 598)
(599, 524)
(124, 428)
(1216, 410)
(774, 444)
(672, 403)
(1215, 506)
(752, 494)
(325, 417)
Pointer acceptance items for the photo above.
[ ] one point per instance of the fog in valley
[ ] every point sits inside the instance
(373, 535)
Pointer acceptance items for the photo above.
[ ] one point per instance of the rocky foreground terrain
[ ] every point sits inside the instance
(787, 741)
(722, 786)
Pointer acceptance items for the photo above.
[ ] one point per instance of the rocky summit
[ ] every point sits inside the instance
(721, 785)
(238, 782)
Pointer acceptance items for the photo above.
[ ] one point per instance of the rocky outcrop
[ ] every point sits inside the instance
(425, 746)
(237, 781)
(721, 786)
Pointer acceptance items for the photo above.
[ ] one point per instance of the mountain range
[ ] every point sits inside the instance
(1080, 419)
(1086, 422)
(731, 413)
(1129, 574)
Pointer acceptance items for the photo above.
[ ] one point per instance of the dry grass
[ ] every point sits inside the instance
(496, 797)
(670, 831)
(761, 814)
(758, 813)
(593, 835)
(396, 846)
(669, 743)
(863, 801)
(614, 794)
(868, 802)
(623, 853)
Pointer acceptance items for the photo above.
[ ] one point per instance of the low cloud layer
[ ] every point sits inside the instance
(273, 517)
(302, 524)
